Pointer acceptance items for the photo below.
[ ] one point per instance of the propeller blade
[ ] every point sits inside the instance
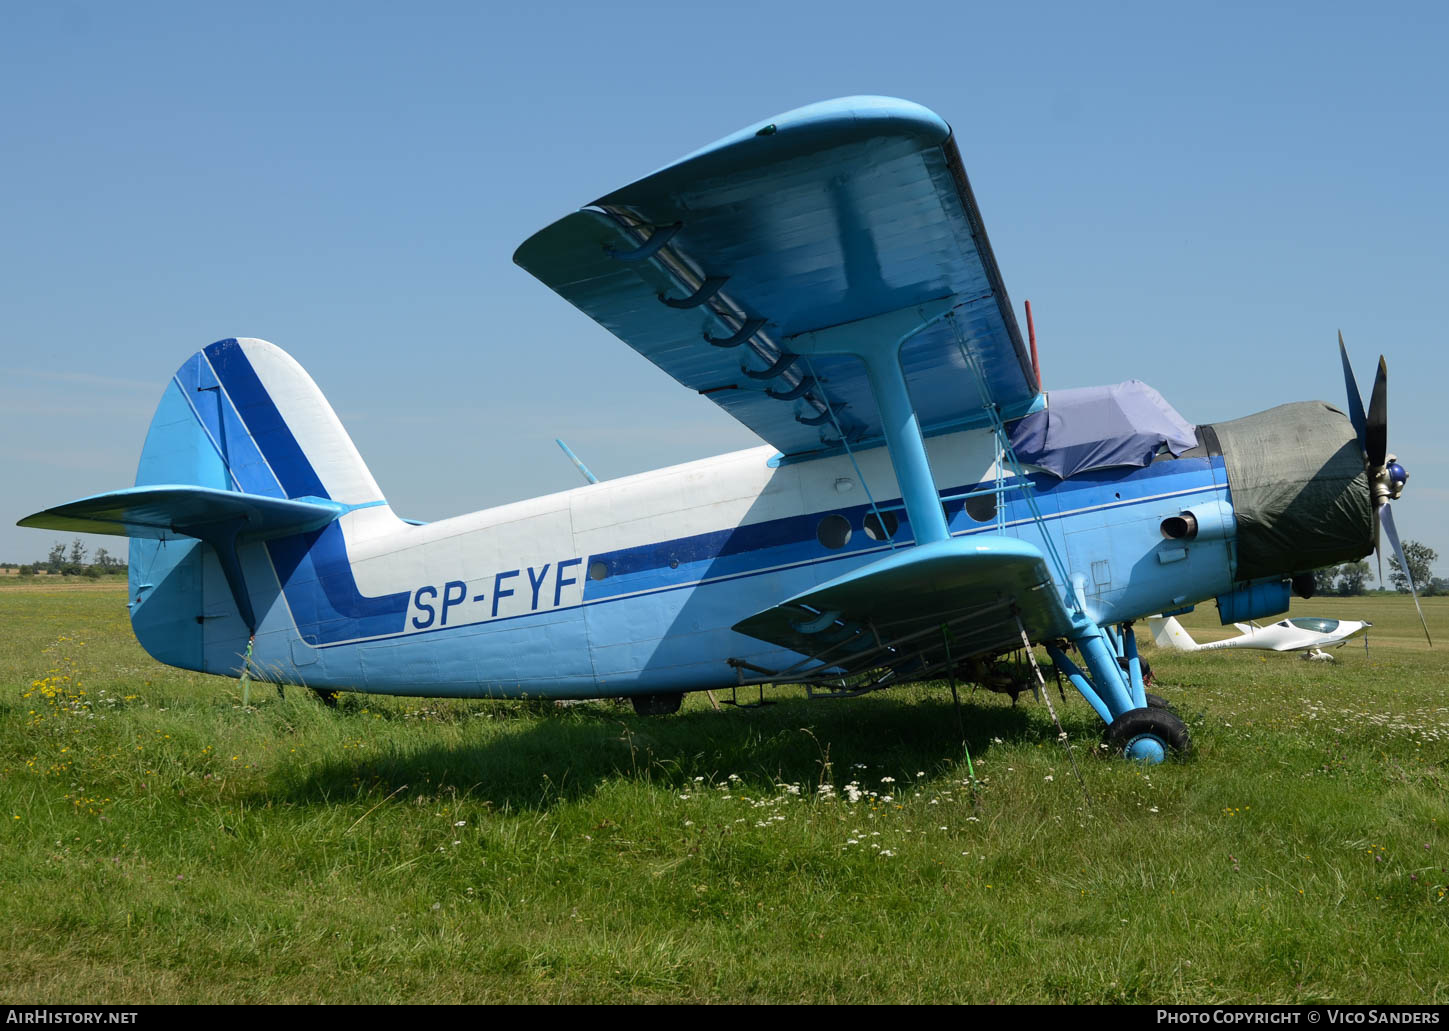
(1355, 399)
(1386, 516)
(1376, 430)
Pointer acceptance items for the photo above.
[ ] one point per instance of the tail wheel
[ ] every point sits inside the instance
(1147, 677)
(1148, 735)
(1156, 701)
(657, 704)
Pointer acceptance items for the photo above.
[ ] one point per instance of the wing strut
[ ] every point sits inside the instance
(1115, 687)
(877, 341)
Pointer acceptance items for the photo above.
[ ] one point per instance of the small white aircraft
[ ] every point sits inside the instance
(1308, 634)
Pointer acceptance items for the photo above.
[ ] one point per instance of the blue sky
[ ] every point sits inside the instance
(1197, 196)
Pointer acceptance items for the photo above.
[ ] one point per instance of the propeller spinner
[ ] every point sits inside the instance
(1386, 476)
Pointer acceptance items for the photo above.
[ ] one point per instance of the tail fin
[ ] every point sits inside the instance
(1168, 633)
(244, 475)
(243, 415)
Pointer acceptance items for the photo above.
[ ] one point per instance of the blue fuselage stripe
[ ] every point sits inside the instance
(792, 540)
(780, 544)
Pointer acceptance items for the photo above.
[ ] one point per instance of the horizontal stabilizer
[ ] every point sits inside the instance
(161, 512)
(974, 584)
(221, 518)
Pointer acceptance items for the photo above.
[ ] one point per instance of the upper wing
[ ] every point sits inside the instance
(826, 215)
(969, 595)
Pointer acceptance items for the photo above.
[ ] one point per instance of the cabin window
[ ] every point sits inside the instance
(881, 527)
(598, 570)
(833, 531)
(982, 507)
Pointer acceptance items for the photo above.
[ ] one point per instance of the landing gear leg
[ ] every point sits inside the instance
(1136, 728)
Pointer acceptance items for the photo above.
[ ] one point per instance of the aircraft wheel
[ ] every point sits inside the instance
(1147, 677)
(1155, 701)
(327, 698)
(1148, 735)
(657, 704)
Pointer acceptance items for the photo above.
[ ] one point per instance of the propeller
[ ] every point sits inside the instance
(1385, 475)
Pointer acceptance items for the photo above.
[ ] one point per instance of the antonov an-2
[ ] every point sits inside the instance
(919, 508)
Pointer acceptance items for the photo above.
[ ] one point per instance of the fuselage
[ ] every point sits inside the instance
(632, 585)
(1288, 635)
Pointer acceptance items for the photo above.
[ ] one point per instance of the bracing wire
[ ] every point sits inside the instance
(835, 421)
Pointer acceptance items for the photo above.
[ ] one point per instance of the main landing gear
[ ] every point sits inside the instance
(1147, 735)
(657, 704)
(1140, 726)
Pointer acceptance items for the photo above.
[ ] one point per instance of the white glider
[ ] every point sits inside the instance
(1308, 634)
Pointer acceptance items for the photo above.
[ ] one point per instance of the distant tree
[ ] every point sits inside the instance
(1438, 585)
(1421, 559)
(103, 559)
(55, 561)
(77, 553)
(1353, 577)
(1346, 579)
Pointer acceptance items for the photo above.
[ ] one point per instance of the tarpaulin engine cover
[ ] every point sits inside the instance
(1087, 428)
(1298, 489)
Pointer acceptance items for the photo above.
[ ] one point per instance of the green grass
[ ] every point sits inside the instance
(163, 844)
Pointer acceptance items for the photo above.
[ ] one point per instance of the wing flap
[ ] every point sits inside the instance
(978, 584)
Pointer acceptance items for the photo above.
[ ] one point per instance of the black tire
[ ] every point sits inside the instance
(1162, 724)
(327, 698)
(1145, 666)
(1155, 701)
(657, 704)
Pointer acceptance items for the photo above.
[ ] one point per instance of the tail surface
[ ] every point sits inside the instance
(1168, 633)
(245, 484)
(242, 415)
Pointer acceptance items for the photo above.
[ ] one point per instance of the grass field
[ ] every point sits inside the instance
(163, 844)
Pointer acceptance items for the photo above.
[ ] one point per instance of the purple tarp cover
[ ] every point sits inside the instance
(1100, 427)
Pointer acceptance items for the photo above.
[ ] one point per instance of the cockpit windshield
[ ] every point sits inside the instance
(1322, 626)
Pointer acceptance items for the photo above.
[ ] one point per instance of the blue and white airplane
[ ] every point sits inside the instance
(920, 506)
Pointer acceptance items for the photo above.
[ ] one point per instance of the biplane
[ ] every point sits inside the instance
(920, 506)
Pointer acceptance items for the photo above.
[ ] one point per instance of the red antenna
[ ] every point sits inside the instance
(1031, 333)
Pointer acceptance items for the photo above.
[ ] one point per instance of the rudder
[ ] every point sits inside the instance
(238, 415)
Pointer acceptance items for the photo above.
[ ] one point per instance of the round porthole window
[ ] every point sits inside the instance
(881, 527)
(982, 508)
(598, 570)
(833, 531)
